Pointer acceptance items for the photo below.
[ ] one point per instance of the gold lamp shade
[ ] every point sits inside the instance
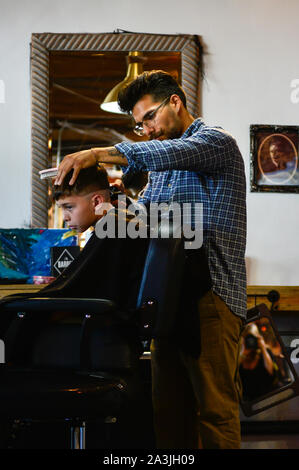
(135, 68)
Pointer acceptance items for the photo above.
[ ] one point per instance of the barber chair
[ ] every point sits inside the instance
(74, 360)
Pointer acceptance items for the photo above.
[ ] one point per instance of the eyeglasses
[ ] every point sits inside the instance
(148, 119)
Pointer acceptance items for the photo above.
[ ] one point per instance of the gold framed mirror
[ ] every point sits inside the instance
(51, 89)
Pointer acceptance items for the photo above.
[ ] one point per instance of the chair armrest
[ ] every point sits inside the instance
(48, 304)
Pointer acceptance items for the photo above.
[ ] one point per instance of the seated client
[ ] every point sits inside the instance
(108, 267)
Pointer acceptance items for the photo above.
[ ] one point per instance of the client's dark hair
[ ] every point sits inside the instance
(157, 83)
(89, 179)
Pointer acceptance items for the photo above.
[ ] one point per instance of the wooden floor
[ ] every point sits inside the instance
(270, 441)
(55, 436)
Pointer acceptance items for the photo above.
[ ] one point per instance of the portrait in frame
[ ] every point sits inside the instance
(274, 158)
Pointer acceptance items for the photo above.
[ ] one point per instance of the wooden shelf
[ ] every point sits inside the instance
(289, 295)
(9, 289)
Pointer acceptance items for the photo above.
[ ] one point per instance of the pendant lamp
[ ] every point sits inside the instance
(135, 68)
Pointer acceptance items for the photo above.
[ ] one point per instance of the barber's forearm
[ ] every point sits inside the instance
(87, 158)
(109, 155)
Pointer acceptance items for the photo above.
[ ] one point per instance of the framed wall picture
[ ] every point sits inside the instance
(274, 158)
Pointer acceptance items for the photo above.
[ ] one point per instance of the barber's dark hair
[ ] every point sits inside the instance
(89, 179)
(157, 83)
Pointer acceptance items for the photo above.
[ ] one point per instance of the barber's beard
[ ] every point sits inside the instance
(173, 133)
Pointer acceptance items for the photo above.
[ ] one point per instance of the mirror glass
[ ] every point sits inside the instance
(71, 74)
(78, 84)
(266, 372)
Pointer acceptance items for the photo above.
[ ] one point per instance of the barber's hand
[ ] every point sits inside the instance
(75, 161)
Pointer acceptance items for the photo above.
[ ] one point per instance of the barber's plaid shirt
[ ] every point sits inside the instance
(204, 166)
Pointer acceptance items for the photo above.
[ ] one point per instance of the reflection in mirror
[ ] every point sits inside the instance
(79, 82)
(266, 372)
(263, 367)
(99, 63)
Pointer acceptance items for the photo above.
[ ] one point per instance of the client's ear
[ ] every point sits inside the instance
(97, 199)
(99, 204)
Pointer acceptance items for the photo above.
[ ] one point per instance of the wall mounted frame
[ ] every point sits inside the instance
(274, 158)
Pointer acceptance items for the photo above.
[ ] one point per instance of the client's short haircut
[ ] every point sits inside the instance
(90, 179)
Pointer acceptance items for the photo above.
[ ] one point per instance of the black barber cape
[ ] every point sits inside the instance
(107, 268)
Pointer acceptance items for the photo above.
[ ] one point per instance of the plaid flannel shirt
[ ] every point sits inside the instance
(203, 166)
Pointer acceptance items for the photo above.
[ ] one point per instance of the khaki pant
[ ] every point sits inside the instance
(196, 403)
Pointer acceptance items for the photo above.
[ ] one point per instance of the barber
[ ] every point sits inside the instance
(195, 394)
